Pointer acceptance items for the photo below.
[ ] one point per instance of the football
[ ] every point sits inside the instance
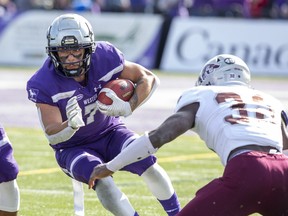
(123, 88)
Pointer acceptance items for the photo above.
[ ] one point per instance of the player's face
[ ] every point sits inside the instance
(71, 58)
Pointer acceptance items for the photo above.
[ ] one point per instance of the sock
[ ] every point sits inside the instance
(171, 206)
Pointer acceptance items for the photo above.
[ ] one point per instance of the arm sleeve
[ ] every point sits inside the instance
(136, 151)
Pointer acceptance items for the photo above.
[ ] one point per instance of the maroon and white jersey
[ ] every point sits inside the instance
(232, 116)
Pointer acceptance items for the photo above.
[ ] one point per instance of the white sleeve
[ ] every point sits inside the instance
(139, 149)
(61, 136)
(187, 97)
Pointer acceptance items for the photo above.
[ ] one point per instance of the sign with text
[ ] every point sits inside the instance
(262, 44)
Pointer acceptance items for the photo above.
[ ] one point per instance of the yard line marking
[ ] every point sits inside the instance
(161, 160)
(39, 171)
(187, 157)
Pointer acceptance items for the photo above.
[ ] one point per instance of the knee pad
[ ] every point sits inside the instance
(112, 198)
(10, 196)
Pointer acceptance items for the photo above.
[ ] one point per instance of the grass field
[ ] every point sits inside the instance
(45, 190)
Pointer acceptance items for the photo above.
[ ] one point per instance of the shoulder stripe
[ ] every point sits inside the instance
(116, 70)
(62, 95)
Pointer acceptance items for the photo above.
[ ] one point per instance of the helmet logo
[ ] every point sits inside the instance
(229, 61)
(69, 40)
(208, 70)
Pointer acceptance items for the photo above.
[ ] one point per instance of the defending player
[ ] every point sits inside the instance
(9, 191)
(246, 128)
(65, 91)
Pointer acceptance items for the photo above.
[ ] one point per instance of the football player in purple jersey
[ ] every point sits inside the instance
(9, 190)
(82, 131)
(245, 127)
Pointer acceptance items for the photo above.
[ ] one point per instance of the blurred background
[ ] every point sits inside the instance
(170, 35)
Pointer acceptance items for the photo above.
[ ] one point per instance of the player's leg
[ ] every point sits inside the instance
(161, 187)
(9, 198)
(158, 183)
(9, 190)
(241, 190)
(275, 203)
(113, 199)
(79, 164)
(154, 176)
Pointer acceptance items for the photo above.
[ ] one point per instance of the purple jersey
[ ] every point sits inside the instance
(8, 165)
(107, 63)
(102, 137)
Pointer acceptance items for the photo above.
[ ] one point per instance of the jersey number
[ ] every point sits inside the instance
(91, 110)
(242, 113)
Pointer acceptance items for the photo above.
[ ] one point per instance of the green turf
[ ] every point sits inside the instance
(45, 190)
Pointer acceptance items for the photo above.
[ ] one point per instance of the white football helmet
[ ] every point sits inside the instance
(70, 32)
(224, 69)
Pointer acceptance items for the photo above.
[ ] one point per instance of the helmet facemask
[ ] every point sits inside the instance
(70, 32)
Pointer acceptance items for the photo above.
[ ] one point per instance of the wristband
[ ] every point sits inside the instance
(139, 149)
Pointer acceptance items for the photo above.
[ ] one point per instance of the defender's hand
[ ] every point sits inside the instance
(118, 106)
(99, 171)
(74, 113)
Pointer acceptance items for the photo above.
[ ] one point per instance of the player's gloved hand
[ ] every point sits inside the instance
(74, 113)
(118, 106)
